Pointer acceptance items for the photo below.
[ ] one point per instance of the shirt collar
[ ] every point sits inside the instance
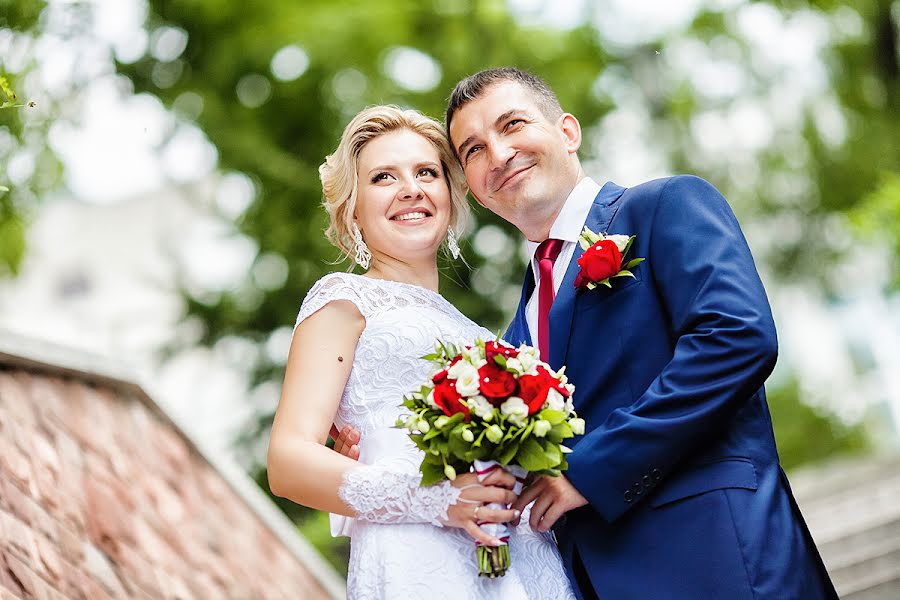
(569, 222)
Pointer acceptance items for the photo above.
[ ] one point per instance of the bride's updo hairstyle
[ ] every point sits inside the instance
(339, 171)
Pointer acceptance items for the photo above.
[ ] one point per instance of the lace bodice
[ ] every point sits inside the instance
(396, 516)
(403, 322)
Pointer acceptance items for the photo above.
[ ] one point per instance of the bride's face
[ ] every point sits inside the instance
(403, 199)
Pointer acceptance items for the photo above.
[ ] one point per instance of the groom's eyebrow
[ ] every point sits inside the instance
(497, 123)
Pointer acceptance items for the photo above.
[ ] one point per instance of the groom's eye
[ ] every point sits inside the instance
(472, 151)
(512, 123)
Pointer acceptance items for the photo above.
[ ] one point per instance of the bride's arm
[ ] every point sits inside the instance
(302, 469)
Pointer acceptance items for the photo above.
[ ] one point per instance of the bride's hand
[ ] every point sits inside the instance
(470, 508)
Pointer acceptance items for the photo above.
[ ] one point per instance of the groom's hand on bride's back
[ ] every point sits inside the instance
(346, 441)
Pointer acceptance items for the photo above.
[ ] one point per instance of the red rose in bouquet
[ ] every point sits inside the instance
(495, 382)
(449, 400)
(534, 389)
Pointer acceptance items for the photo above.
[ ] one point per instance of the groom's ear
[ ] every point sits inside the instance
(570, 129)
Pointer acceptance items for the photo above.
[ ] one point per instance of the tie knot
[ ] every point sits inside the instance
(548, 250)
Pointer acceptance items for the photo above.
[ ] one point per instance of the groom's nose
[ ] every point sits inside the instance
(500, 154)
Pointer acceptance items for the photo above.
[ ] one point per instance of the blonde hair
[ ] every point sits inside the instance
(339, 173)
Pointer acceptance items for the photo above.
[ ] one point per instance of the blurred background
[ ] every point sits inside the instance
(160, 202)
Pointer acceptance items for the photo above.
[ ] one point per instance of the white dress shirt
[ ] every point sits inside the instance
(567, 227)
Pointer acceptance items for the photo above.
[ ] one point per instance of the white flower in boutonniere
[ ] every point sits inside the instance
(603, 259)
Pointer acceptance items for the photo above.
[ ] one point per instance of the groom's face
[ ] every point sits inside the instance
(515, 158)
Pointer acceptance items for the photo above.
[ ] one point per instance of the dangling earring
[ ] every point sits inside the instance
(452, 244)
(363, 256)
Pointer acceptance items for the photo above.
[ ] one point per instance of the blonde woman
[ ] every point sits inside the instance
(394, 194)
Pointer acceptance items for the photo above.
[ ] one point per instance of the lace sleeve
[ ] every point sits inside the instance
(381, 495)
(335, 286)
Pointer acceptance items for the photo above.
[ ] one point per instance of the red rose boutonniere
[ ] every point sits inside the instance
(602, 259)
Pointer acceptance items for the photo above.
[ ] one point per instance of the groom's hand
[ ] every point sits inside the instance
(552, 497)
(346, 441)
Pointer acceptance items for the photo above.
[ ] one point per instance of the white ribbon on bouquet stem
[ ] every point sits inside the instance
(483, 468)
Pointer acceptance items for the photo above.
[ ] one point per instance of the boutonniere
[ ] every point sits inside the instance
(602, 259)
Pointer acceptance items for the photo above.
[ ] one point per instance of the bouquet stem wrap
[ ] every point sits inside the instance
(493, 561)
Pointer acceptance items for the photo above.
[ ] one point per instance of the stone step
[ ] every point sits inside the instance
(886, 590)
(842, 476)
(874, 570)
(856, 510)
(855, 546)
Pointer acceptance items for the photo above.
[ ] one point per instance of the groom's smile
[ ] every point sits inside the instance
(511, 177)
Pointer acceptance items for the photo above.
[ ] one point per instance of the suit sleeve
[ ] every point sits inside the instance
(725, 348)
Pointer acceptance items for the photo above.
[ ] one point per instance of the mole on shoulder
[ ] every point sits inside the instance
(340, 359)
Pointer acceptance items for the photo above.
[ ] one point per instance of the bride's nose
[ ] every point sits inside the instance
(410, 190)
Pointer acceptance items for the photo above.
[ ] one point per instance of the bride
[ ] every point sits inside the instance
(393, 192)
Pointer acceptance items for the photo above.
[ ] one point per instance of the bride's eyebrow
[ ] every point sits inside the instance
(382, 168)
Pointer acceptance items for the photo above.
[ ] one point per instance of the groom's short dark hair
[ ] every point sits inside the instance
(475, 85)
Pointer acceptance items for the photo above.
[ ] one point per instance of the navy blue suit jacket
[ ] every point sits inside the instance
(678, 460)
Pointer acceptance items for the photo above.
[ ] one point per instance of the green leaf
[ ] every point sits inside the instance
(606, 283)
(454, 421)
(633, 263)
(432, 433)
(431, 473)
(531, 456)
(553, 453)
(508, 453)
(500, 360)
(627, 246)
(3, 188)
(560, 432)
(456, 445)
(584, 244)
(624, 273)
(554, 416)
(7, 90)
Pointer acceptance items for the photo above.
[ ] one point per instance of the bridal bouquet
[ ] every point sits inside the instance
(488, 406)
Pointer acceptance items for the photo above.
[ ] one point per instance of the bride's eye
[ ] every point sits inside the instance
(380, 177)
(428, 172)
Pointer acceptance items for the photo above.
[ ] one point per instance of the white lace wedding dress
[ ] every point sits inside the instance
(398, 548)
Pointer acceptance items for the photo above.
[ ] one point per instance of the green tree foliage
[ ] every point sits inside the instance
(17, 18)
(877, 217)
(804, 434)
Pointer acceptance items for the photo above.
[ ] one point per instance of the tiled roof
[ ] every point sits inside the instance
(103, 496)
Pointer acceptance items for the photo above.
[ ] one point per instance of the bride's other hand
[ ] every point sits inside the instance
(470, 509)
(346, 441)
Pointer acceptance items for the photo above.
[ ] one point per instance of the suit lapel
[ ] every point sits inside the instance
(563, 310)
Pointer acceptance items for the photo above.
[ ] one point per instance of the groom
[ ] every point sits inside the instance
(675, 489)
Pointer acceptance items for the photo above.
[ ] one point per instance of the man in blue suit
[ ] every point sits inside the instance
(675, 490)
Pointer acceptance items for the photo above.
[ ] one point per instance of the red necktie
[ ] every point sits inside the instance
(546, 255)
